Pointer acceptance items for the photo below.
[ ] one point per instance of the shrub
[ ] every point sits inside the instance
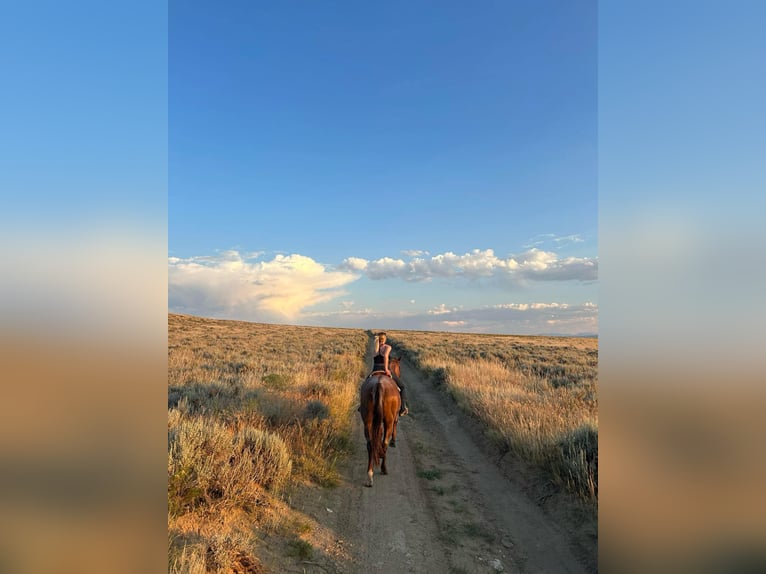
(265, 456)
(207, 462)
(316, 410)
(194, 453)
(276, 381)
(300, 549)
(440, 376)
(319, 388)
(578, 460)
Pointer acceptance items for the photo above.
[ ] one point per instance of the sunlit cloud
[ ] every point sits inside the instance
(230, 285)
(441, 309)
(291, 287)
(533, 264)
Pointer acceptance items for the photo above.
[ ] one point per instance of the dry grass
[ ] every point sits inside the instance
(536, 396)
(252, 410)
(255, 409)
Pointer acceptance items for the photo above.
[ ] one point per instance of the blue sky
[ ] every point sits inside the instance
(413, 165)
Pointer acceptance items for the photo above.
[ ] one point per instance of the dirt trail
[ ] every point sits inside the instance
(443, 507)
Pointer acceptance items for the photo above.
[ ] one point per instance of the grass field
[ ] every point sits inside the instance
(255, 410)
(535, 396)
(252, 410)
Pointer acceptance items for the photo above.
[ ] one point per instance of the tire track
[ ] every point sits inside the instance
(443, 507)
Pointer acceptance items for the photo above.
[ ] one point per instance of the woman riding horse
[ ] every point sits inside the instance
(380, 363)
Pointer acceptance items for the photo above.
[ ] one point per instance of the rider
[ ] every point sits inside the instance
(380, 363)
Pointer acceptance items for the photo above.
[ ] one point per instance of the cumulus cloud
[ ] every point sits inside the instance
(232, 285)
(355, 264)
(534, 264)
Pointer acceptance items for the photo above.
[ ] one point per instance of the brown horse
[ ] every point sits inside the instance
(380, 402)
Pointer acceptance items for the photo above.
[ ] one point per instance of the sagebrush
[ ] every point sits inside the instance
(253, 409)
(535, 396)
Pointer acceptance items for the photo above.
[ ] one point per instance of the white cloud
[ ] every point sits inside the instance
(414, 252)
(575, 238)
(538, 240)
(533, 264)
(552, 238)
(355, 264)
(538, 318)
(384, 268)
(441, 310)
(229, 285)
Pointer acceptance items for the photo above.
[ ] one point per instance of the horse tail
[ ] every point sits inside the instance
(377, 424)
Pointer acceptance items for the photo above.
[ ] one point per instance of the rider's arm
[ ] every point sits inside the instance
(385, 356)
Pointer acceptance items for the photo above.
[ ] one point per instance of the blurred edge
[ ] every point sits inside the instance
(83, 291)
(681, 147)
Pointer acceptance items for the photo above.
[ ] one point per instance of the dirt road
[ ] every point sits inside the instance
(443, 507)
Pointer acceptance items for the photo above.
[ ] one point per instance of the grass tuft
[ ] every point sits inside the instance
(430, 474)
(300, 549)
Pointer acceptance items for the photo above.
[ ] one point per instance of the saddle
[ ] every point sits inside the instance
(384, 373)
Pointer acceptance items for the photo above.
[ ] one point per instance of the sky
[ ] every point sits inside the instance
(413, 165)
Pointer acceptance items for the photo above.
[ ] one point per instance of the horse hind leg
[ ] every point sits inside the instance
(369, 464)
(386, 439)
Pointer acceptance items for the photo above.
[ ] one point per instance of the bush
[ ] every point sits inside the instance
(300, 549)
(207, 462)
(440, 376)
(319, 388)
(266, 458)
(277, 381)
(316, 410)
(578, 461)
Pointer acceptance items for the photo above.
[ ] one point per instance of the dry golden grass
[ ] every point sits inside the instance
(253, 409)
(535, 396)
